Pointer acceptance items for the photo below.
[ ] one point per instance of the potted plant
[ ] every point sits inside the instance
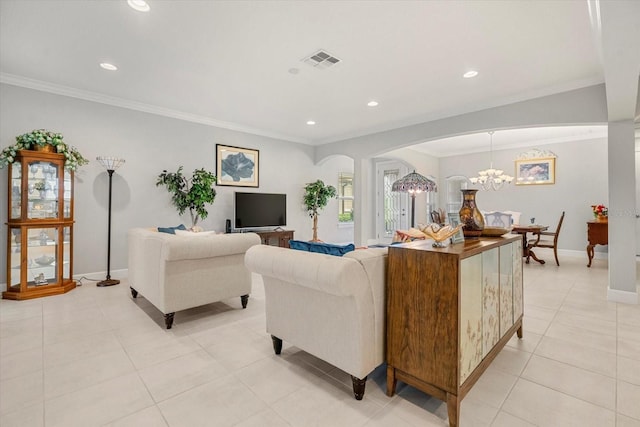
(190, 193)
(316, 197)
(45, 141)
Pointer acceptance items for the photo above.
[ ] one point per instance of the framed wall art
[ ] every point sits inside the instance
(238, 167)
(536, 171)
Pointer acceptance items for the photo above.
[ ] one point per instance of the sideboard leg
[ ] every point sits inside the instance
(453, 408)
(391, 381)
(244, 299)
(134, 293)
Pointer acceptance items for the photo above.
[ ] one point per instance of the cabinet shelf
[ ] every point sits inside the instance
(40, 224)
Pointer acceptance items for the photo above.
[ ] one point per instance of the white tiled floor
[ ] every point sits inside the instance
(96, 357)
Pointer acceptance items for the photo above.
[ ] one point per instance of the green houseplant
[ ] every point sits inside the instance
(43, 138)
(190, 193)
(316, 197)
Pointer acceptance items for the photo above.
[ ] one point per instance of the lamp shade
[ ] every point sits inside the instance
(414, 183)
(110, 163)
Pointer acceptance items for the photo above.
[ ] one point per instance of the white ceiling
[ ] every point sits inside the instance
(227, 63)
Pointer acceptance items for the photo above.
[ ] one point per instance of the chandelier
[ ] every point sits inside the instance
(491, 179)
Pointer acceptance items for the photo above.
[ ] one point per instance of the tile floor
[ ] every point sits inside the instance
(96, 357)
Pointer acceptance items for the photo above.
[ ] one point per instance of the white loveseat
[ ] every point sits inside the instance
(331, 307)
(179, 272)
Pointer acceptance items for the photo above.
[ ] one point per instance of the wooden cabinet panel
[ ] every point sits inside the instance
(471, 322)
(518, 301)
(490, 300)
(506, 289)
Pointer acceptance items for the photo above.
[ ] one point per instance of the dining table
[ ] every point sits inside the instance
(526, 246)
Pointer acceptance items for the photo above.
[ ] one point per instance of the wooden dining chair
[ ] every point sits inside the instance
(548, 242)
(497, 219)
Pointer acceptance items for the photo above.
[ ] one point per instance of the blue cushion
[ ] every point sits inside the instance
(323, 248)
(171, 230)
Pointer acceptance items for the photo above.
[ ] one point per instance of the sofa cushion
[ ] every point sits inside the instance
(171, 230)
(323, 248)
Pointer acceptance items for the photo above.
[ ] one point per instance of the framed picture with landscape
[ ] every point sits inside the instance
(238, 167)
(536, 171)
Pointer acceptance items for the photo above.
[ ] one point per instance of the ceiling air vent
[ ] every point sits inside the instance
(321, 59)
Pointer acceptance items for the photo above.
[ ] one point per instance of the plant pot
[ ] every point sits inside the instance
(470, 216)
(602, 218)
(47, 148)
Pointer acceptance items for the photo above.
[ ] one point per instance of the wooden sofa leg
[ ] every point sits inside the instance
(358, 386)
(244, 299)
(134, 293)
(168, 319)
(277, 344)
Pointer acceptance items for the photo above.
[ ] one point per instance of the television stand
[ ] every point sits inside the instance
(276, 237)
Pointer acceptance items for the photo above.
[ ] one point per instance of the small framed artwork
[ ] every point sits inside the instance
(454, 220)
(238, 167)
(536, 171)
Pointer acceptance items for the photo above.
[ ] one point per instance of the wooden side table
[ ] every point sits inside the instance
(597, 234)
(276, 238)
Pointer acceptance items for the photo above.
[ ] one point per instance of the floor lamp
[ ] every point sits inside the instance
(110, 164)
(413, 184)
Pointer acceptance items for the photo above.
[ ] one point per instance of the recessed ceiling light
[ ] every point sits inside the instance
(311, 122)
(108, 66)
(469, 74)
(372, 103)
(139, 5)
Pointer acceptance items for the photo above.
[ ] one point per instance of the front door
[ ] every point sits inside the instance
(391, 207)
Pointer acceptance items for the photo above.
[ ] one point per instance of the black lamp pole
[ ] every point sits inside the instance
(109, 281)
(111, 164)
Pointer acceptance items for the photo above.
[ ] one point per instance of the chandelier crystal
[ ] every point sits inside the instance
(491, 179)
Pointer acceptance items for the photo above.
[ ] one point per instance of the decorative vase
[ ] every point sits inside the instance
(470, 215)
(602, 218)
(47, 148)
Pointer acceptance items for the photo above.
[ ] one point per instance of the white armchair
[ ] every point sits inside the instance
(332, 307)
(178, 272)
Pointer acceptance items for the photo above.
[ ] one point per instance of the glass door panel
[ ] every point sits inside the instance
(42, 253)
(66, 253)
(15, 246)
(16, 190)
(43, 190)
(67, 194)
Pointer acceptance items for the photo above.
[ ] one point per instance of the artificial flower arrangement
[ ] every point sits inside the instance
(41, 137)
(600, 210)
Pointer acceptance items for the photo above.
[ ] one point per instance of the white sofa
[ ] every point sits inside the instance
(331, 307)
(177, 272)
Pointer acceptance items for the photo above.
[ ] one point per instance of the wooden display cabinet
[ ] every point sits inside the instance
(40, 226)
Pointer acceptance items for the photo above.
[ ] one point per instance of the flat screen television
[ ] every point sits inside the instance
(258, 210)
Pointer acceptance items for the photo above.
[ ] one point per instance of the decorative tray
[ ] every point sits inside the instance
(494, 231)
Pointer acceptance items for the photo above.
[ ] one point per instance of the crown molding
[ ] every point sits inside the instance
(15, 80)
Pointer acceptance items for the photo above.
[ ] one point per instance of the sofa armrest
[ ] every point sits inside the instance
(334, 275)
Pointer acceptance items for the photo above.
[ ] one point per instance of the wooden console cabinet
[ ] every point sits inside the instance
(276, 238)
(449, 312)
(597, 234)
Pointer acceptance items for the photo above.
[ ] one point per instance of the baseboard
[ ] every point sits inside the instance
(625, 297)
(89, 277)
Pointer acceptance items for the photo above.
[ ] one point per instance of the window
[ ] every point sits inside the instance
(431, 198)
(345, 197)
(455, 183)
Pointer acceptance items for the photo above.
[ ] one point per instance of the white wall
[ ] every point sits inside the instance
(151, 143)
(581, 181)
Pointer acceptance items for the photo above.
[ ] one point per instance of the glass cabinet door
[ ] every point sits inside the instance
(43, 181)
(42, 254)
(15, 254)
(16, 190)
(68, 191)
